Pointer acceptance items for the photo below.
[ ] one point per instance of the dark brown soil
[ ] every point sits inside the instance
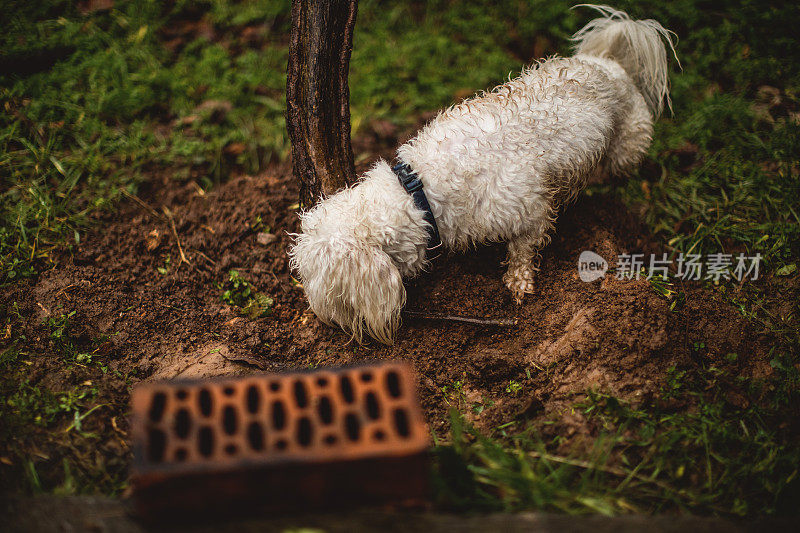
(612, 335)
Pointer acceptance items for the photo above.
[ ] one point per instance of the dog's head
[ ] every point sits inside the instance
(348, 278)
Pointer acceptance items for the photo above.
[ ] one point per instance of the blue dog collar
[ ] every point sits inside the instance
(413, 186)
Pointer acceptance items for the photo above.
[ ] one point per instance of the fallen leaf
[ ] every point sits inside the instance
(153, 240)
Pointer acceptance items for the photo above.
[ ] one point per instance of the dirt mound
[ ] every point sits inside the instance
(160, 317)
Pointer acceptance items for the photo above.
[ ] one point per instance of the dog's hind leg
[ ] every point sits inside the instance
(633, 137)
(523, 261)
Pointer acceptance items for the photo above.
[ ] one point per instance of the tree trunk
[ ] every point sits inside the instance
(317, 96)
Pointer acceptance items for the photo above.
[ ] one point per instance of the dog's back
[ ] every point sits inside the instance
(512, 153)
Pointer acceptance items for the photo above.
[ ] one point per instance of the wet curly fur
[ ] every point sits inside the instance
(494, 168)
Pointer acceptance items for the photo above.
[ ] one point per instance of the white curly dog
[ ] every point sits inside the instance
(494, 168)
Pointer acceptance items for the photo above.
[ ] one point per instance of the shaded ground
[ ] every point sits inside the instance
(46, 514)
(141, 315)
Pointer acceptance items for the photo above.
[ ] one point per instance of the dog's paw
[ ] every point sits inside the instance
(520, 281)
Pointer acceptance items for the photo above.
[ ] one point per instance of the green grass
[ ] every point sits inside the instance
(62, 424)
(729, 455)
(740, 193)
(98, 103)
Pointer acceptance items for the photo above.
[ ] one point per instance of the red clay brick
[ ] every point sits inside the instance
(316, 439)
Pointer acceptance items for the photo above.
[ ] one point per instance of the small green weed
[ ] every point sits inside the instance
(666, 289)
(164, 270)
(238, 292)
(65, 344)
(60, 326)
(514, 387)
(454, 394)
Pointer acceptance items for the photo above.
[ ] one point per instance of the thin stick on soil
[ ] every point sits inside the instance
(143, 205)
(204, 256)
(503, 322)
(175, 234)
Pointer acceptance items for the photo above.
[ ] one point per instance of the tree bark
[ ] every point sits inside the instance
(318, 98)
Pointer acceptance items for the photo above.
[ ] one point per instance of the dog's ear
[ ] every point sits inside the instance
(354, 285)
(376, 292)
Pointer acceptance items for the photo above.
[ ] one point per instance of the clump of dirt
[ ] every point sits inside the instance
(158, 317)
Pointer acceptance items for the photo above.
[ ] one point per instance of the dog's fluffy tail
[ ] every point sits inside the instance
(637, 45)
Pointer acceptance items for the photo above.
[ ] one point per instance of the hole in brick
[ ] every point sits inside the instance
(157, 443)
(281, 444)
(181, 394)
(206, 441)
(253, 399)
(347, 389)
(322, 382)
(274, 386)
(373, 410)
(352, 426)
(300, 394)
(366, 377)
(379, 435)
(255, 435)
(204, 399)
(228, 391)
(401, 422)
(304, 432)
(393, 384)
(230, 449)
(157, 407)
(182, 424)
(325, 410)
(180, 455)
(278, 415)
(229, 420)
(330, 440)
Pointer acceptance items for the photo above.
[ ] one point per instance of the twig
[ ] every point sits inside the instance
(505, 322)
(204, 256)
(277, 281)
(143, 205)
(175, 234)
